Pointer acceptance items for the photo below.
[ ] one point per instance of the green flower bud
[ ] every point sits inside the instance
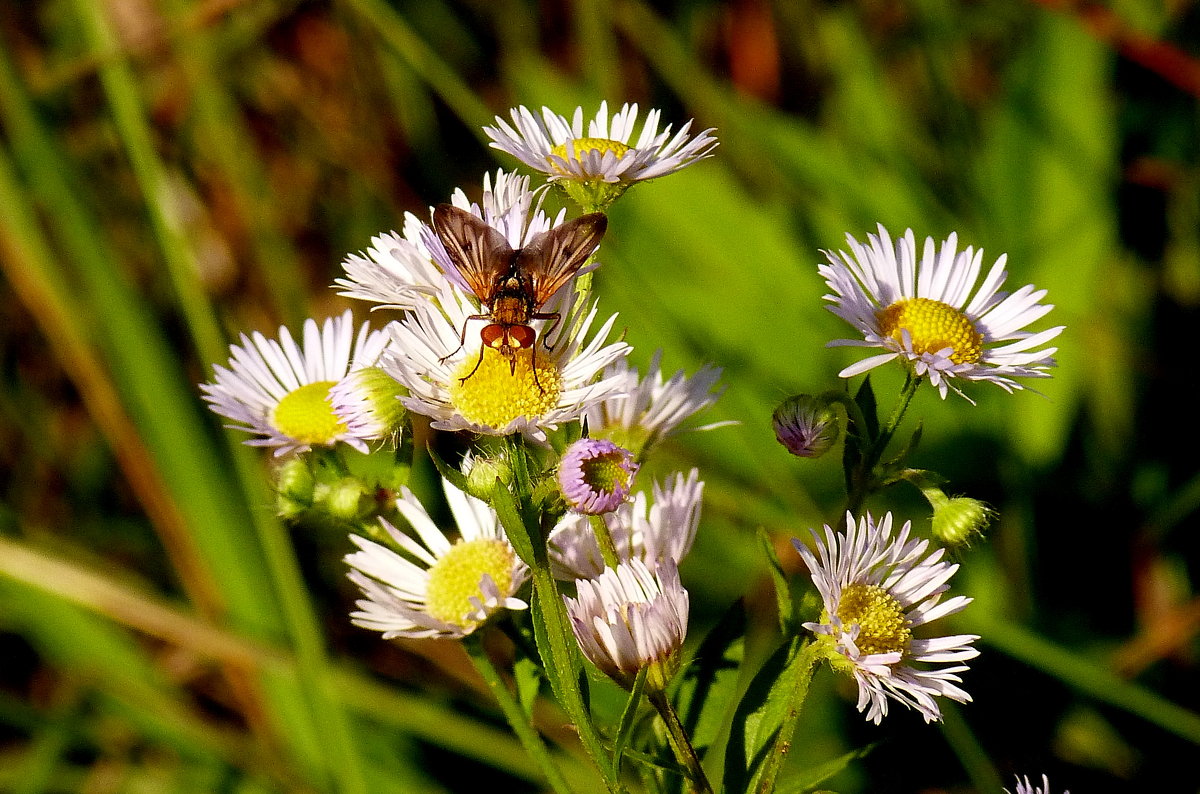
(484, 475)
(294, 488)
(959, 519)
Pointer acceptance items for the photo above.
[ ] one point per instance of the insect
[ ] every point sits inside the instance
(513, 284)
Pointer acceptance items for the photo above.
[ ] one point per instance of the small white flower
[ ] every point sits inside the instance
(603, 152)
(280, 391)
(1025, 787)
(396, 272)
(630, 618)
(875, 591)
(933, 312)
(648, 409)
(435, 587)
(460, 384)
(653, 532)
(368, 402)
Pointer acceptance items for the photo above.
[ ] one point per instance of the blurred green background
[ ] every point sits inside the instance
(174, 173)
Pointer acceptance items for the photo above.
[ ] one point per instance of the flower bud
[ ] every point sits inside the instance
(484, 475)
(294, 488)
(959, 519)
(368, 401)
(343, 499)
(595, 476)
(807, 426)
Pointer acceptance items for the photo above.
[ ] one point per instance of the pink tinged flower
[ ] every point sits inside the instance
(596, 475)
(876, 589)
(630, 618)
(651, 529)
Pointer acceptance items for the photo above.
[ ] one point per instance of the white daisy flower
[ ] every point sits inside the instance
(629, 618)
(605, 152)
(648, 409)
(462, 384)
(280, 390)
(1025, 787)
(934, 313)
(654, 531)
(436, 588)
(396, 272)
(875, 591)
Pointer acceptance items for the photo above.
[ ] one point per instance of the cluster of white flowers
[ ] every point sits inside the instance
(496, 337)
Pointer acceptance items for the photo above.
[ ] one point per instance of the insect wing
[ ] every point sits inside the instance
(480, 253)
(554, 256)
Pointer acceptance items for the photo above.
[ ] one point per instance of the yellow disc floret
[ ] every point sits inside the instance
(498, 393)
(306, 415)
(933, 326)
(883, 628)
(575, 149)
(454, 580)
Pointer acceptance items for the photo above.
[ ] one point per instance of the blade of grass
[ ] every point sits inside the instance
(426, 63)
(1086, 676)
(222, 138)
(104, 594)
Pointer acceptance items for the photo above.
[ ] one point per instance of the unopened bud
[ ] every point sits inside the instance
(485, 475)
(343, 499)
(294, 488)
(807, 426)
(959, 519)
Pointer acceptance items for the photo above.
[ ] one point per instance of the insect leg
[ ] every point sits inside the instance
(462, 341)
(555, 316)
(474, 369)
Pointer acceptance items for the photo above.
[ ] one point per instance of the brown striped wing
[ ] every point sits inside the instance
(554, 256)
(480, 253)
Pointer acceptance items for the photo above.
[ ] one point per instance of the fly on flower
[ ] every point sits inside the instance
(514, 284)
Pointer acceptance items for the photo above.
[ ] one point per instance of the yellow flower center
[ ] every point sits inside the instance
(883, 628)
(306, 415)
(933, 326)
(575, 149)
(495, 395)
(456, 576)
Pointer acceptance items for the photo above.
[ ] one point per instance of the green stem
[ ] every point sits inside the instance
(556, 642)
(516, 716)
(864, 477)
(808, 656)
(608, 549)
(560, 660)
(685, 753)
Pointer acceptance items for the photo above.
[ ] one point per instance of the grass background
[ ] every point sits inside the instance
(173, 174)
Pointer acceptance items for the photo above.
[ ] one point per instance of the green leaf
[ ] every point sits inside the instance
(809, 779)
(859, 439)
(448, 472)
(514, 525)
(705, 693)
(788, 624)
